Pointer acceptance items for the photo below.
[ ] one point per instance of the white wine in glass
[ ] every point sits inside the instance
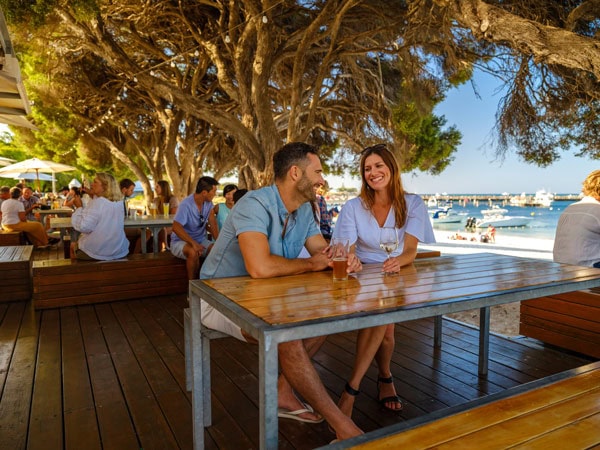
(388, 241)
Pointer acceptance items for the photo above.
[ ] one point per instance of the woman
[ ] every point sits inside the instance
(222, 209)
(14, 219)
(576, 241)
(165, 197)
(100, 222)
(73, 192)
(382, 202)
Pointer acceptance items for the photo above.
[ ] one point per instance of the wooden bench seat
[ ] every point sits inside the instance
(15, 270)
(12, 238)
(68, 282)
(560, 411)
(570, 320)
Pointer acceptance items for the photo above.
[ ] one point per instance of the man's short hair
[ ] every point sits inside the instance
(206, 184)
(292, 154)
(125, 183)
(4, 189)
(15, 193)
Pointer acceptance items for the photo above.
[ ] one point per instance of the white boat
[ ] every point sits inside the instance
(541, 198)
(500, 220)
(495, 210)
(446, 215)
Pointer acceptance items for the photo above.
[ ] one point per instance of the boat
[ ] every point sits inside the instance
(446, 215)
(493, 211)
(500, 220)
(541, 198)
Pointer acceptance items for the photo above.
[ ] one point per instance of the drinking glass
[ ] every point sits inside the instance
(388, 241)
(339, 256)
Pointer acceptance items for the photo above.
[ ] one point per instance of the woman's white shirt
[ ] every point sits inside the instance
(357, 223)
(101, 223)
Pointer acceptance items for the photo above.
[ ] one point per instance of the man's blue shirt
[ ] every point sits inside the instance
(260, 211)
(193, 221)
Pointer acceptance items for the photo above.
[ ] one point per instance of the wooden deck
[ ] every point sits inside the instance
(112, 376)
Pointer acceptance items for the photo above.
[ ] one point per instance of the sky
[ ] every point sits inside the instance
(475, 169)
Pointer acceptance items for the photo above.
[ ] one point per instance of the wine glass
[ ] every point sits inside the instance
(388, 241)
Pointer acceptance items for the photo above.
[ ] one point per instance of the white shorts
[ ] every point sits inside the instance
(177, 248)
(213, 319)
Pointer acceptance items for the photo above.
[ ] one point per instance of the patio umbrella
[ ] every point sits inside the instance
(27, 176)
(35, 165)
(6, 161)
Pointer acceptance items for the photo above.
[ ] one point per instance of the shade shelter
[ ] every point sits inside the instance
(37, 166)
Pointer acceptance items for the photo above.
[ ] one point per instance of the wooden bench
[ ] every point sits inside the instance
(12, 238)
(68, 282)
(560, 411)
(570, 321)
(15, 270)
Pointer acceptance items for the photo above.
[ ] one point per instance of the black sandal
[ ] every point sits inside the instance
(392, 398)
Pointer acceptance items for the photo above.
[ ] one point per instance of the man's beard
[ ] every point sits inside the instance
(306, 189)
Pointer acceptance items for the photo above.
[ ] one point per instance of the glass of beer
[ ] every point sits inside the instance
(166, 210)
(152, 206)
(339, 255)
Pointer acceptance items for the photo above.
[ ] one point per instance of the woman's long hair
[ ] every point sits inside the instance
(165, 193)
(111, 188)
(395, 189)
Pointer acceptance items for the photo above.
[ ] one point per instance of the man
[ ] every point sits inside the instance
(30, 202)
(127, 186)
(262, 237)
(189, 239)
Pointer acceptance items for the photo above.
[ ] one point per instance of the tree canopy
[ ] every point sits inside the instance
(178, 88)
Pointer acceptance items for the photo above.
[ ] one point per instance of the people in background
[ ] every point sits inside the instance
(263, 237)
(222, 209)
(30, 202)
(237, 195)
(134, 235)
(324, 215)
(14, 219)
(100, 222)
(4, 195)
(577, 239)
(382, 203)
(194, 218)
(72, 193)
(164, 196)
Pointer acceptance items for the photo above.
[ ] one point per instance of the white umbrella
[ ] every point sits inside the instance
(74, 182)
(6, 161)
(27, 176)
(35, 165)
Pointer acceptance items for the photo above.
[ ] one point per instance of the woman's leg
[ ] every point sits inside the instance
(367, 344)
(34, 230)
(383, 357)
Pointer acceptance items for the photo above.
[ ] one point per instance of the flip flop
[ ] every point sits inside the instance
(295, 415)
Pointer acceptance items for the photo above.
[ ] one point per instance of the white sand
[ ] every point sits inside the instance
(506, 245)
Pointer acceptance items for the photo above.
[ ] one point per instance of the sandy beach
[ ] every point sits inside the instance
(504, 318)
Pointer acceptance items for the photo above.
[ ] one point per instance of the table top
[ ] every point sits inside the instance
(432, 286)
(143, 221)
(63, 211)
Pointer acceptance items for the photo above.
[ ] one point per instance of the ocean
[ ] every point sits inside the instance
(543, 225)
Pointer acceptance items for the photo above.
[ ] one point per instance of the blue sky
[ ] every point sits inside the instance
(475, 168)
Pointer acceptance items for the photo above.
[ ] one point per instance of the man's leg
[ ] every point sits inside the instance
(192, 262)
(302, 376)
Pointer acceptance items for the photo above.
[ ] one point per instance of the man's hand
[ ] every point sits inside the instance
(198, 248)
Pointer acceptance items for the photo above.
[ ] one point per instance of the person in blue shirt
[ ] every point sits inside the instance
(263, 237)
(194, 217)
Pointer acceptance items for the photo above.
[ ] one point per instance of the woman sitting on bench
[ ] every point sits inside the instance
(14, 219)
(101, 222)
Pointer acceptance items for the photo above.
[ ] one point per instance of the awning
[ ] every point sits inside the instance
(14, 105)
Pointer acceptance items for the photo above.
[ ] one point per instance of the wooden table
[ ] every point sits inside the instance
(302, 306)
(154, 224)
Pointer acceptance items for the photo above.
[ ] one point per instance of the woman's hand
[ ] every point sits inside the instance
(392, 265)
(77, 203)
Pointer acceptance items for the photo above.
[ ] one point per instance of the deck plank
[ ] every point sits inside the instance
(120, 370)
